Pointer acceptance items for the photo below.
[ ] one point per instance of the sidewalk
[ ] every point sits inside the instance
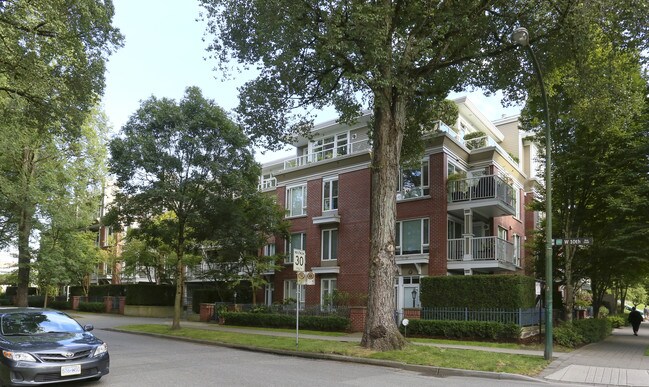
(617, 361)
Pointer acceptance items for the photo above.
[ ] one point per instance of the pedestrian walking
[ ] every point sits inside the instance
(635, 318)
(646, 312)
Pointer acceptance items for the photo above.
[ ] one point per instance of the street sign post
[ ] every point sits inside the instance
(299, 260)
(573, 241)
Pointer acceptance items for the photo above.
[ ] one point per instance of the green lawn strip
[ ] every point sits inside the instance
(305, 332)
(646, 351)
(531, 347)
(413, 354)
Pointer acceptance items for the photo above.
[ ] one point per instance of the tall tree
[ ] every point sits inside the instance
(179, 158)
(394, 56)
(52, 63)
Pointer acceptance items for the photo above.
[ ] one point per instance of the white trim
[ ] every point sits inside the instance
(326, 270)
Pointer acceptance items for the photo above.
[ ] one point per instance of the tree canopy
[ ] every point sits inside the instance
(391, 56)
(180, 158)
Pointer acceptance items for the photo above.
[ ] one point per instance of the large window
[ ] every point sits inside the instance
(329, 244)
(296, 241)
(412, 237)
(330, 147)
(269, 250)
(327, 290)
(296, 200)
(329, 194)
(290, 291)
(517, 249)
(413, 182)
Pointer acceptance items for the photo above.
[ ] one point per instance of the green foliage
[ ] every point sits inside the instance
(478, 291)
(579, 332)
(270, 320)
(93, 307)
(602, 312)
(474, 330)
(617, 321)
(60, 305)
(150, 294)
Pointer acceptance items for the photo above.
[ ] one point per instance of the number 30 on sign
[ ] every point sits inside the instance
(299, 260)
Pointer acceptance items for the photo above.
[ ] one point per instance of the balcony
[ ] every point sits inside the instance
(489, 196)
(486, 253)
(322, 156)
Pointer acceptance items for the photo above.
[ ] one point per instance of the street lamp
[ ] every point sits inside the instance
(521, 37)
(414, 296)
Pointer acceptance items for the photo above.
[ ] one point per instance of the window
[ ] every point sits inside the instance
(296, 241)
(329, 244)
(517, 206)
(455, 229)
(269, 250)
(327, 290)
(296, 200)
(330, 194)
(413, 182)
(503, 233)
(412, 237)
(290, 290)
(330, 147)
(267, 181)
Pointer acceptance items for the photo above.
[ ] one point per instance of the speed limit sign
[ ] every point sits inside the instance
(299, 260)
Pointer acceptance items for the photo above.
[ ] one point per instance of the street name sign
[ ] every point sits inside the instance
(573, 241)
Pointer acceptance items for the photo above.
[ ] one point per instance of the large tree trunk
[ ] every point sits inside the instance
(180, 274)
(24, 257)
(381, 332)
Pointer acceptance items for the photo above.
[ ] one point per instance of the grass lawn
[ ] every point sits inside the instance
(412, 354)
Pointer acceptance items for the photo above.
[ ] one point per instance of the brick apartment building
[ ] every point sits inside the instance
(461, 212)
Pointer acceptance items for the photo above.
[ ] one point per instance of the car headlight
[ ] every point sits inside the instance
(100, 350)
(18, 356)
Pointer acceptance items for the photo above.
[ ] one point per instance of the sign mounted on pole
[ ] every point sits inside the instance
(299, 260)
(310, 278)
(573, 241)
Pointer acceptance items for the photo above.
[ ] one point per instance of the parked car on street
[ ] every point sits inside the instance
(44, 346)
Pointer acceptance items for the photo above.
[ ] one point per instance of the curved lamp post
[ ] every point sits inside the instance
(521, 37)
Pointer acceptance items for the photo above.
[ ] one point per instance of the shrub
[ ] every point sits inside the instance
(5, 301)
(593, 329)
(94, 307)
(150, 294)
(567, 336)
(603, 312)
(476, 330)
(60, 305)
(36, 301)
(273, 320)
(617, 321)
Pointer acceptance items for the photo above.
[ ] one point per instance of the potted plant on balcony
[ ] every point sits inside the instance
(455, 189)
(475, 140)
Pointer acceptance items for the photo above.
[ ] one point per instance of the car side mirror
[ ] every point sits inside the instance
(88, 327)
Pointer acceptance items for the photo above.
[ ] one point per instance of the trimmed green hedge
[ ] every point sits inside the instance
(475, 330)
(581, 332)
(478, 291)
(94, 307)
(100, 290)
(200, 296)
(150, 294)
(272, 320)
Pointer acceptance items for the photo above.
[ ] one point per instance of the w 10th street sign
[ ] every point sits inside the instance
(573, 241)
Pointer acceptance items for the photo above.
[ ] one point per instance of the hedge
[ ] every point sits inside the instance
(95, 307)
(150, 294)
(474, 330)
(271, 320)
(200, 296)
(581, 332)
(478, 291)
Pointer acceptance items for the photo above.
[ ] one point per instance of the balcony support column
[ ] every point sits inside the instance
(468, 234)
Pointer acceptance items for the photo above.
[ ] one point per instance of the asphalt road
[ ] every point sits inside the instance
(142, 361)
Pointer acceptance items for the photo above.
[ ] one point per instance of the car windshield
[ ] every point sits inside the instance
(29, 323)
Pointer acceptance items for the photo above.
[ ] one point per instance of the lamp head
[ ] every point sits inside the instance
(521, 37)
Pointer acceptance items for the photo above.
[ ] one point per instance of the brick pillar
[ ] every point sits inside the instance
(75, 302)
(122, 304)
(206, 312)
(357, 318)
(108, 304)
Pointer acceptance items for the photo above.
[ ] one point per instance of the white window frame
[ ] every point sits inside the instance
(424, 229)
(289, 200)
(269, 250)
(326, 289)
(290, 247)
(516, 239)
(329, 194)
(329, 251)
(330, 146)
(423, 189)
(290, 290)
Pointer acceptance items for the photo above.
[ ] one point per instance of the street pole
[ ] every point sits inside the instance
(521, 37)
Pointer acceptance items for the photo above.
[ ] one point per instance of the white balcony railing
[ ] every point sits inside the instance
(482, 249)
(479, 188)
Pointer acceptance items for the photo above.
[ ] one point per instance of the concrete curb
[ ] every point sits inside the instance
(422, 369)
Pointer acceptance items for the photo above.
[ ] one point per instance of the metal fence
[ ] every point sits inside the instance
(521, 317)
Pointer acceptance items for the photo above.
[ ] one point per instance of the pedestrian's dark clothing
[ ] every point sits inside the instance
(635, 318)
